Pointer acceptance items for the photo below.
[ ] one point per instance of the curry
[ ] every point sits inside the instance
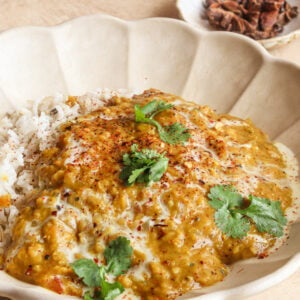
(80, 202)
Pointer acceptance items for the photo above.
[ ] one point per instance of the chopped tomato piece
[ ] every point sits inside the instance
(55, 284)
(5, 200)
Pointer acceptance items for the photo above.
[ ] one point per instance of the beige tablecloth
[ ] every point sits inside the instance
(15, 13)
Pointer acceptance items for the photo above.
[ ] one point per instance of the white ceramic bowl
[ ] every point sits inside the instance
(192, 11)
(226, 71)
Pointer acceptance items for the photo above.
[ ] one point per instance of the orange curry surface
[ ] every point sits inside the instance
(80, 204)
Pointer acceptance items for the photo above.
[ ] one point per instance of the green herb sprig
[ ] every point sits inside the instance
(143, 166)
(118, 260)
(173, 134)
(234, 220)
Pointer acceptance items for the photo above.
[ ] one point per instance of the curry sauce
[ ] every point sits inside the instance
(80, 203)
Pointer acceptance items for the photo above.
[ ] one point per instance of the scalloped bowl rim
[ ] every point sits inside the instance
(255, 286)
(259, 48)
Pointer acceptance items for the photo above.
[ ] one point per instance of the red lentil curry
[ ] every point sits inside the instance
(81, 204)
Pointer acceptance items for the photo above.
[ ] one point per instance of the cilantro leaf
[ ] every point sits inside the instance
(136, 175)
(118, 255)
(88, 270)
(140, 116)
(227, 195)
(232, 224)
(151, 109)
(234, 220)
(267, 215)
(110, 291)
(158, 169)
(173, 134)
(88, 296)
(144, 166)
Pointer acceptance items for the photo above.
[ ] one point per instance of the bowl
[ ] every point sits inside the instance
(192, 11)
(227, 71)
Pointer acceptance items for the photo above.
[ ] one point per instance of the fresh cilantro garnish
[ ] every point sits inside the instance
(231, 223)
(151, 109)
(118, 258)
(173, 134)
(88, 270)
(224, 195)
(109, 291)
(143, 166)
(267, 215)
(234, 220)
